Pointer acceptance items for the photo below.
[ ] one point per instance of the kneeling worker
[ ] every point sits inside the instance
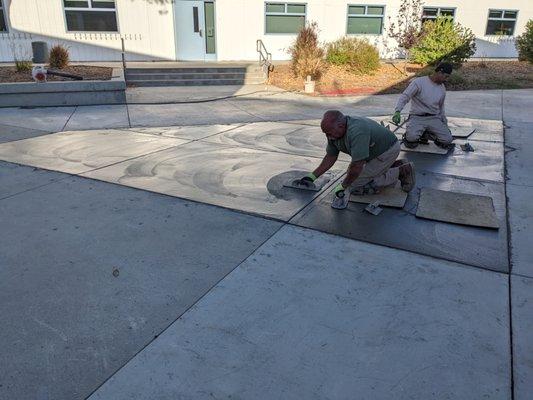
(427, 94)
(374, 150)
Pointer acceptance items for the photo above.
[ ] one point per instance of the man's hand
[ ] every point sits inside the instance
(307, 180)
(339, 191)
(397, 118)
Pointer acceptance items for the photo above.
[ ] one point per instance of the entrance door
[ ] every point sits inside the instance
(195, 30)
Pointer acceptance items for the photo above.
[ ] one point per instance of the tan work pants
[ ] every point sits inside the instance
(379, 171)
(434, 125)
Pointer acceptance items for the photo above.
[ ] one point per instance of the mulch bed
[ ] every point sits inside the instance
(10, 74)
(394, 78)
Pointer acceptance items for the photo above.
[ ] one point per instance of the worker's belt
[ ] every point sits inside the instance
(423, 115)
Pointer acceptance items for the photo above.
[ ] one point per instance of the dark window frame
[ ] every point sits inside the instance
(366, 15)
(92, 9)
(439, 13)
(4, 17)
(285, 13)
(502, 18)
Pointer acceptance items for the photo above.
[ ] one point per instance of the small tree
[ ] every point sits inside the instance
(405, 29)
(307, 56)
(444, 40)
(524, 43)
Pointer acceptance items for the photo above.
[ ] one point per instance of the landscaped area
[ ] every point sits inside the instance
(88, 72)
(391, 78)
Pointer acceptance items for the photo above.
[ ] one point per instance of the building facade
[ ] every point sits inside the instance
(227, 30)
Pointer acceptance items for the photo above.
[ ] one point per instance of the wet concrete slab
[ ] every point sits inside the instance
(186, 132)
(480, 247)
(429, 148)
(238, 178)
(80, 151)
(484, 163)
(314, 316)
(92, 272)
(10, 133)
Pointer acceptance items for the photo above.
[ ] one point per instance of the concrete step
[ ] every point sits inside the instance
(196, 82)
(179, 76)
(195, 70)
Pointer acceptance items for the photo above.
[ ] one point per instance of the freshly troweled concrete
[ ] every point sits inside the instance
(314, 316)
(91, 272)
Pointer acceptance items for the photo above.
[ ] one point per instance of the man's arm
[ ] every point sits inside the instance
(406, 96)
(353, 172)
(442, 114)
(327, 162)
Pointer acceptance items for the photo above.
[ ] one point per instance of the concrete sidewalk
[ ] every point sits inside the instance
(114, 292)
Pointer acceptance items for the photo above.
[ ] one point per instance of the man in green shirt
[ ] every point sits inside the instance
(374, 150)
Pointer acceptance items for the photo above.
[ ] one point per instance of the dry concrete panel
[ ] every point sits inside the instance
(517, 105)
(480, 247)
(457, 208)
(485, 162)
(10, 133)
(81, 151)
(522, 309)
(98, 117)
(51, 119)
(314, 316)
(185, 132)
(238, 178)
(92, 272)
(520, 209)
(16, 178)
(519, 162)
(486, 104)
(277, 136)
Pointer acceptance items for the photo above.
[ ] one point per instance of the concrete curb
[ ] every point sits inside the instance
(65, 93)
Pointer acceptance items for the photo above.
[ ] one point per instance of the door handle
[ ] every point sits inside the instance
(200, 32)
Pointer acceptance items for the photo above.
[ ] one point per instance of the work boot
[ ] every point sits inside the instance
(408, 144)
(444, 145)
(407, 177)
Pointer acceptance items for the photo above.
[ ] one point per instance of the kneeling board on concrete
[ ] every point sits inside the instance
(457, 208)
(316, 186)
(426, 148)
(461, 132)
(389, 197)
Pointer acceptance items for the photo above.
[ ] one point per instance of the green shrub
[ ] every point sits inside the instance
(23, 65)
(307, 57)
(358, 54)
(444, 40)
(59, 57)
(524, 43)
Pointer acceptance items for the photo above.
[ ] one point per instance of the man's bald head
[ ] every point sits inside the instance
(333, 124)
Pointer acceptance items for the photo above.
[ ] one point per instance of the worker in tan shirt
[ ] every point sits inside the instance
(426, 118)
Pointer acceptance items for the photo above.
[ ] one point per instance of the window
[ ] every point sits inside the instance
(501, 22)
(3, 25)
(284, 17)
(365, 20)
(431, 13)
(91, 15)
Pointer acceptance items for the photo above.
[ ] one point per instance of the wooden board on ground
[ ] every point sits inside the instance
(431, 148)
(389, 197)
(457, 208)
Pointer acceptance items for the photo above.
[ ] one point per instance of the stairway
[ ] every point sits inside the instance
(181, 74)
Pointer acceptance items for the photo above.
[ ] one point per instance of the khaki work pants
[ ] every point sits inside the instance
(432, 124)
(378, 171)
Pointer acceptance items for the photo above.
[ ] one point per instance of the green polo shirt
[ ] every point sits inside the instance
(365, 139)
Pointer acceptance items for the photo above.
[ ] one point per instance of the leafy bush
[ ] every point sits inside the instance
(524, 43)
(307, 57)
(59, 57)
(444, 40)
(23, 65)
(358, 54)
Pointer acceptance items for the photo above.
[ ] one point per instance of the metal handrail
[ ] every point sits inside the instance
(265, 58)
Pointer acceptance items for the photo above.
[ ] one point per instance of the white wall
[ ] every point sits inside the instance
(147, 26)
(241, 22)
